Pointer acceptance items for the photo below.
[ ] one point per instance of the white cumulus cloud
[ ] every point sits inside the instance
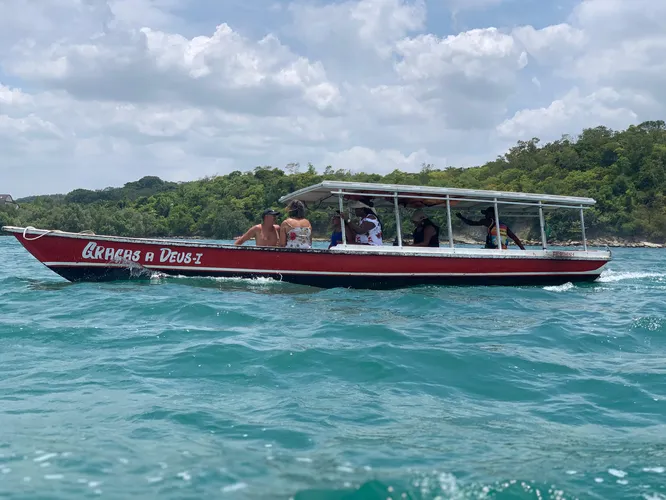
(604, 107)
(99, 92)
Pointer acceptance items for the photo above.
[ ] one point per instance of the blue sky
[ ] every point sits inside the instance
(101, 92)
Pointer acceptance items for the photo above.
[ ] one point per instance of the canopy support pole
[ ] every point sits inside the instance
(397, 219)
(582, 226)
(342, 221)
(448, 220)
(544, 242)
(497, 228)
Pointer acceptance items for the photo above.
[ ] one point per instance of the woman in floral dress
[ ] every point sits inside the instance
(296, 230)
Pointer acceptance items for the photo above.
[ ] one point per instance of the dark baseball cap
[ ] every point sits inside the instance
(269, 211)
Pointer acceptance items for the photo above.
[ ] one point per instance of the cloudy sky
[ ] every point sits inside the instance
(96, 93)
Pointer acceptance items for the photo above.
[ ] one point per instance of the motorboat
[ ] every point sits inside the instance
(90, 257)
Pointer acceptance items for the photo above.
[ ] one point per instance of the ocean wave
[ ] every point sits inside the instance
(190, 387)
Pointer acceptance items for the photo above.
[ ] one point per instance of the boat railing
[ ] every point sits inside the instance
(448, 199)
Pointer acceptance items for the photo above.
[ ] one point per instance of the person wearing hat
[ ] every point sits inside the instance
(265, 234)
(368, 231)
(491, 236)
(426, 233)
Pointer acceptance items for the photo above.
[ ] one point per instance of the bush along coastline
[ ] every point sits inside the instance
(625, 171)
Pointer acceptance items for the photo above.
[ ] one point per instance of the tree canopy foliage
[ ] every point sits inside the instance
(625, 171)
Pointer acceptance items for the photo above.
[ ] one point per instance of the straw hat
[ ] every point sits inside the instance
(418, 216)
(360, 204)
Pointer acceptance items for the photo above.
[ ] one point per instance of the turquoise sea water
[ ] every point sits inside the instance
(196, 388)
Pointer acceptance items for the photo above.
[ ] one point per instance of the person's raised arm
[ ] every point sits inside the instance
(514, 238)
(247, 236)
(358, 228)
(470, 222)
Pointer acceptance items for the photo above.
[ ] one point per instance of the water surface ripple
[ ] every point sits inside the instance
(195, 388)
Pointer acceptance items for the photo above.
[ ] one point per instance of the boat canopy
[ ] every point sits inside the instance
(410, 196)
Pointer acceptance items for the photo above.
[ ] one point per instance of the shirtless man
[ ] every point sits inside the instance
(266, 233)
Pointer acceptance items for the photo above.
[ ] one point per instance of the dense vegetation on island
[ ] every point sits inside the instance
(625, 171)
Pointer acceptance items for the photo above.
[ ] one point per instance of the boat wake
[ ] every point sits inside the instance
(560, 288)
(251, 281)
(258, 284)
(610, 276)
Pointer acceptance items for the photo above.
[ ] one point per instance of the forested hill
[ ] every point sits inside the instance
(625, 171)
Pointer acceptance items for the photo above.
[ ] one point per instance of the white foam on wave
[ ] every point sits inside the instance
(617, 473)
(254, 281)
(448, 483)
(610, 276)
(44, 458)
(234, 487)
(560, 288)
(260, 280)
(656, 470)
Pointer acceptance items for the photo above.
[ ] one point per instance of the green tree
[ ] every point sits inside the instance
(625, 171)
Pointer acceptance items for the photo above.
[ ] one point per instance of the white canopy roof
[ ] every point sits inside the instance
(382, 195)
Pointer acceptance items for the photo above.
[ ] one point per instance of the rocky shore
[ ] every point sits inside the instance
(605, 242)
(592, 242)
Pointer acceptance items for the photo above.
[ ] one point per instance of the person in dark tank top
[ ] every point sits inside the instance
(426, 233)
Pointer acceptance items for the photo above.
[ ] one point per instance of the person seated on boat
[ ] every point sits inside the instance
(491, 236)
(368, 231)
(265, 234)
(296, 230)
(426, 233)
(336, 236)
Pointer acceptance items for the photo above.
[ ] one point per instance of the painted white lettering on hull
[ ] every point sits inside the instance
(94, 251)
(176, 257)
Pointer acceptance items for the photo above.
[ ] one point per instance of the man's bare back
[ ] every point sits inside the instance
(263, 237)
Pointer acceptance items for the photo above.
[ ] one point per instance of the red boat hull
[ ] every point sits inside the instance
(78, 257)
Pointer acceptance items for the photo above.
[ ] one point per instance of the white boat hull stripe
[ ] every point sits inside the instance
(293, 271)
